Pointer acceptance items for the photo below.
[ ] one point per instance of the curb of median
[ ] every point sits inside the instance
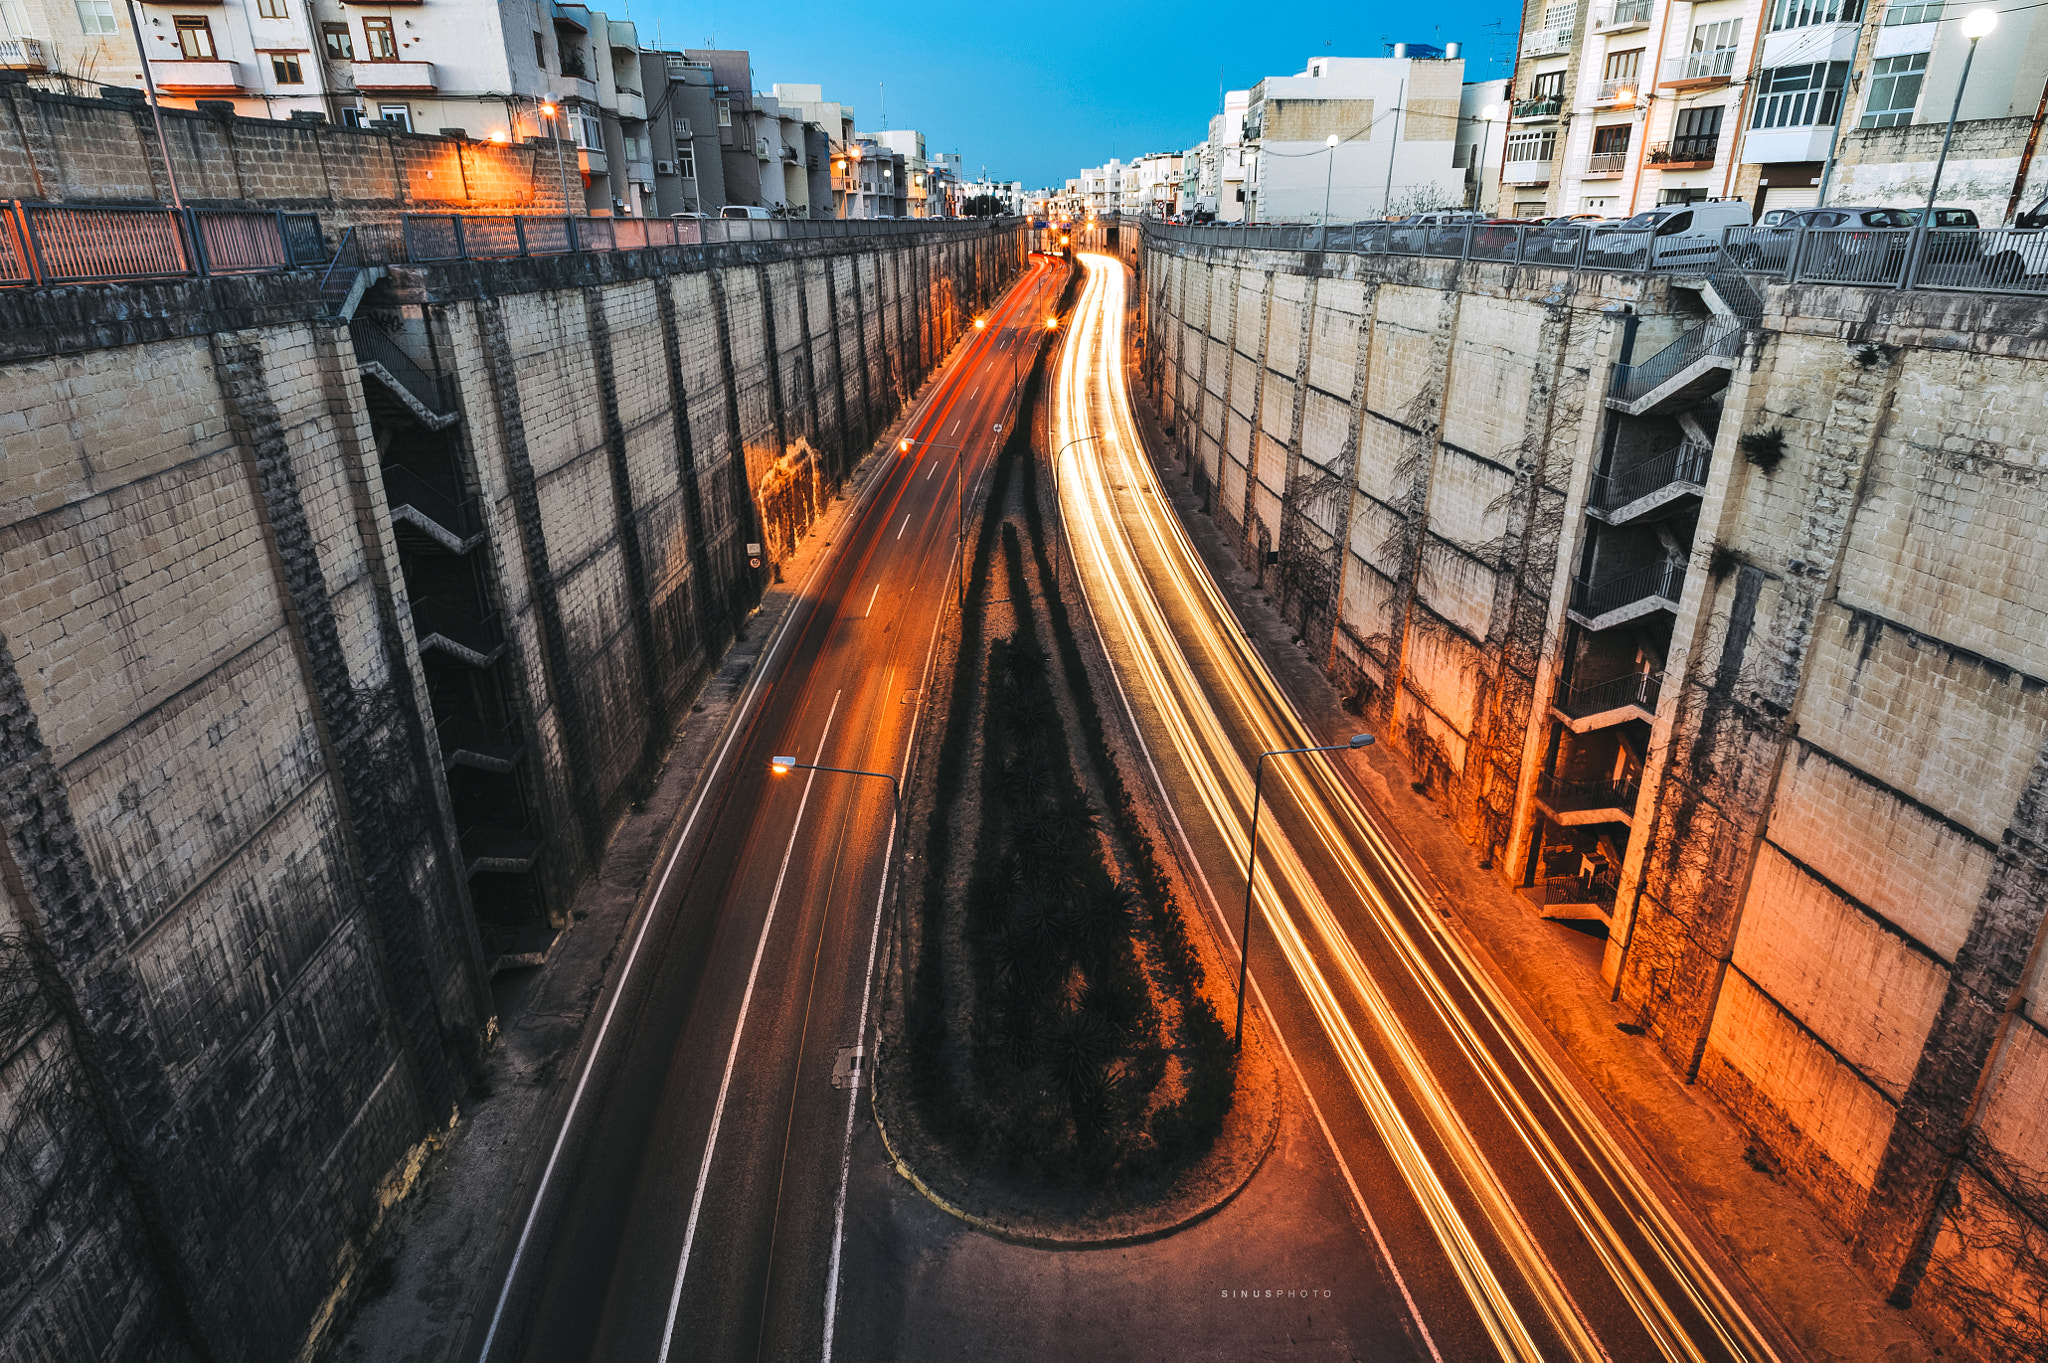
(1216, 1182)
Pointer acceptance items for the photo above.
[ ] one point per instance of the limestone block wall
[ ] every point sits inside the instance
(1836, 881)
(240, 977)
(62, 148)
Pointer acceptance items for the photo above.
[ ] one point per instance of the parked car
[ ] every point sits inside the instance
(1678, 235)
(691, 217)
(1422, 232)
(744, 211)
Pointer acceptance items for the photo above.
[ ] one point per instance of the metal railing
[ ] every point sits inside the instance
(1716, 336)
(1663, 579)
(1621, 14)
(1543, 106)
(457, 515)
(1621, 90)
(1562, 795)
(432, 237)
(1685, 464)
(478, 635)
(1606, 162)
(1596, 889)
(1639, 689)
(45, 243)
(372, 344)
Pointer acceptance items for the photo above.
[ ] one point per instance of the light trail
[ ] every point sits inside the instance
(1177, 644)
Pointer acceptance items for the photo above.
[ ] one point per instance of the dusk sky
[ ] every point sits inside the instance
(1036, 93)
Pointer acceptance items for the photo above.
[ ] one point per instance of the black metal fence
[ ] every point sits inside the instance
(45, 243)
(1991, 260)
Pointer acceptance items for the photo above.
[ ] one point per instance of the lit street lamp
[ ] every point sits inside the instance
(904, 446)
(782, 766)
(1329, 176)
(1977, 24)
(1059, 517)
(1251, 867)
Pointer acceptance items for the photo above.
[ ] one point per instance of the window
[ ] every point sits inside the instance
(1623, 66)
(336, 43)
(96, 17)
(540, 52)
(1611, 140)
(379, 43)
(1536, 146)
(1799, 13)
(686, 162)
(724, 107)
(588, 131)
(352, 118)
(1699, 122)
(1713, 50)
(195, 37)
(1799, 96)
(284, 68)
(270, 9)
(1547, 85)
(1911, 14)
(399, 115)
(1894, 90)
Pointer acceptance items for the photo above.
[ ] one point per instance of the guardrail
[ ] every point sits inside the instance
(45, 243)
(1687, 463)
(1988, 260)
(430, 237)
(1562, 795)
(1664, 579)
(1639, 689)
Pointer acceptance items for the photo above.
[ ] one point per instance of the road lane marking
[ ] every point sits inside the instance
(906, 521)
(933, 469)
(871, 600)
(732, 1055)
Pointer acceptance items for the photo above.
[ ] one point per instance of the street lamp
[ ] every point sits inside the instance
(1977, 24)
(1329, 175)
(1251, 868)
(1487, 116)
(547, 110)
(904, 446)
(1059, 517)
(782, 766)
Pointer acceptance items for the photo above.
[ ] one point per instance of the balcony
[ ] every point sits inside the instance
(1698, 70)
(1546, 42)
(1621, 15)
(572, 86)
(1583, 802)
(1619, 92)
(197, 78)
(1628, 596)
(1548, 106)
(1686, 153)
(1606, 164)
(592, 161)
(1587, 706)
(1526, 172)
(1630, 495)
(394, 75)
(23, 54)
(632, 104)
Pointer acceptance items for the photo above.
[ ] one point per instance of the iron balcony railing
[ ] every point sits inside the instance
(1563, 796)
(1622, 14)
(1595, 889)
(1639, 689)
(1606, 162)
(1691, 149)
(1685, 464)
(1543, 106)
(1621, 90)
(1664, 579)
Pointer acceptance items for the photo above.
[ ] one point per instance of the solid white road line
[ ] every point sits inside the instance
(905, 526)
(871, 600)
(732, 1055)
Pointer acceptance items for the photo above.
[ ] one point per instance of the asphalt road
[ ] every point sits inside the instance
(692, 1203)
(1514, 1221)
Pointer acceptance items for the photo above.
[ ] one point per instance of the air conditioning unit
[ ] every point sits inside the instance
(664, 167)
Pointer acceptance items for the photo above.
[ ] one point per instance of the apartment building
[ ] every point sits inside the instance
(875, 176)
(682, 125)
(830, 135)
(89, 41)
(1226, 136)
(920, 198)
(1395, 122)
(1151, 185)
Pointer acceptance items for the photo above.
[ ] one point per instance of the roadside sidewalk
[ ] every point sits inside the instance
(1795, 1263)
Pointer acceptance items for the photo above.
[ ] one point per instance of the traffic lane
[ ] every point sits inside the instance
(738, 1220)
(577, 1263)
(1682, 1322)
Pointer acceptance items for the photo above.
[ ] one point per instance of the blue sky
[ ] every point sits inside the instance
(1036, 92)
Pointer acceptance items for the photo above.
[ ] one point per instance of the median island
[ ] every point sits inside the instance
(1056, 1064)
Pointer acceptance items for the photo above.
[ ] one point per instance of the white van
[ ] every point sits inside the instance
(1680, 234)
(742, 211)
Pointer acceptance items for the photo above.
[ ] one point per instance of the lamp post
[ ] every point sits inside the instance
(782, 766)
(1977, 24)
(1329, 177)
(1487, 116)
(548, 111)
(1059, 517)
(1251, 868)
(904, 446)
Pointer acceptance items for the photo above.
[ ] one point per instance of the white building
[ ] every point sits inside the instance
(1482, 139)
(1152, 185)
(1394, 122)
